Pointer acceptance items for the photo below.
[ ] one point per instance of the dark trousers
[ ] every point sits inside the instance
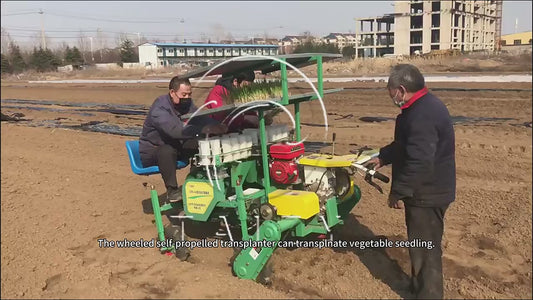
(426, 224)
(166, 156)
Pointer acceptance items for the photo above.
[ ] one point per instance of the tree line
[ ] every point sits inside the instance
(45, 60)
(311, 47)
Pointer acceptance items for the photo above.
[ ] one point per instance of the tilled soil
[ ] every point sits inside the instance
(63, 189)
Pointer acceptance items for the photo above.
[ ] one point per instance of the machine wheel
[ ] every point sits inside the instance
(236, 252)
(174, 232)
(266, 275)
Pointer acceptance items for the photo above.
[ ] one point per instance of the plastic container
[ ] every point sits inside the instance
(226, 149)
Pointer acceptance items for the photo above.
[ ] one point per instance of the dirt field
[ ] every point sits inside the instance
(63, 189)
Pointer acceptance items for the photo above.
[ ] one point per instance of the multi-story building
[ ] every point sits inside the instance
(374, 36)
(167, 54)
(420, 26)
(341, 40)
(466, 25)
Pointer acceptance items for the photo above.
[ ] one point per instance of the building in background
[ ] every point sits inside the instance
(516, 42)
(159, 55)
(441, 25)
(423, 26)
(341, 40)
(374, 36)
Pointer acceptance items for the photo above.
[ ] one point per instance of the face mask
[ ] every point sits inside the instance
(398, 102)
(184, 105)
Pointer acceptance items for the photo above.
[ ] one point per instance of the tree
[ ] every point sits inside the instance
(17, 62)
(6, 40)
(6, 66)
(127, 52)
(77, 58)
(73, 56)
(68, 55)
(348, 51)
(43, 60)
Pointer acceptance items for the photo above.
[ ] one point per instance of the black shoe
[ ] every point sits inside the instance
(174, 195)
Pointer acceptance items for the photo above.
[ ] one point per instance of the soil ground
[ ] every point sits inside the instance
(63, 189)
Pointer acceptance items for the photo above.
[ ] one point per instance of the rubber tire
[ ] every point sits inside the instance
(236, 252)
(266, 275)
(174, 232)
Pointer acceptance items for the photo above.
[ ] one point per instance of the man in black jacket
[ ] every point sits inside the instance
(165, 136)
(423, 173)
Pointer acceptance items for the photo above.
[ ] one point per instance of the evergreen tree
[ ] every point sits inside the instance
(127, 53)
(77, 58)
(17, 62)
(44, 60)
(6, 66)
(73, 56)
(348, 51)
(68, 55)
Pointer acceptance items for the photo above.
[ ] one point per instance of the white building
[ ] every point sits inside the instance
(167, 54)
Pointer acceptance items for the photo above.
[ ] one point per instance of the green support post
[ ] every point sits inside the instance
(157, 215)
(298, 130)
(284, 83)
(320, 76)
(264, 153)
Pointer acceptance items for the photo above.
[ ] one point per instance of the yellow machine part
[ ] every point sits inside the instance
(336, 161)
(295, 203)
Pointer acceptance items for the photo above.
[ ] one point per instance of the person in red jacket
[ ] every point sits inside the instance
(223, 87)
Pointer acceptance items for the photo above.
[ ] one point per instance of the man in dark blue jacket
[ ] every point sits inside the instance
(165, 136)
(423, 173)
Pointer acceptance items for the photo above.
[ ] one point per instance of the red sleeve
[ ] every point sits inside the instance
(218, 93)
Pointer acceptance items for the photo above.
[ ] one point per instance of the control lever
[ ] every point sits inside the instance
(372, 173)
(368, 179)
(333, 144)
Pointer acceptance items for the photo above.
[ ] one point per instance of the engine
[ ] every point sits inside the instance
(283, 167)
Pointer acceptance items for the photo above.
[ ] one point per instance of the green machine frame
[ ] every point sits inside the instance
(251, 261)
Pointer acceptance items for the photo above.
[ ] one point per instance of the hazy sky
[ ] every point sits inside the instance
(172, 20)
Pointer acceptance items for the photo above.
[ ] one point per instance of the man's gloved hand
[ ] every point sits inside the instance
(215, 129)
(395, 202)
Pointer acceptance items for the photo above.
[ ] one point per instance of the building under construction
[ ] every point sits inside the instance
(423, 26)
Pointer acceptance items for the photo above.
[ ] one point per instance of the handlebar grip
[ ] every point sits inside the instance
(381, 177)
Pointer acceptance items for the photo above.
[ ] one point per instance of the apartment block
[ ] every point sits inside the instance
(466, 25)
(374, 36)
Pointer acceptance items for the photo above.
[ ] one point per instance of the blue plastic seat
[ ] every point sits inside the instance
(136, 164)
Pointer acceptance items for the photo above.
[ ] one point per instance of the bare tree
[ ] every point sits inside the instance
(101, 42)
(36, 40)
(229, 37)
(217, 32)
(82, 45)
(143, 39)
(6, 40)
(120, 38)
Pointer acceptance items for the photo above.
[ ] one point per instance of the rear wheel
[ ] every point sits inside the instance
(266, 275)
(174, 233)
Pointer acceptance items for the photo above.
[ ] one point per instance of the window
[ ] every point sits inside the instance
(529, 41)
(517, 42)
(503, 42)
(171, 50)
(435, 36)
(159, 50)
(435, 6)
